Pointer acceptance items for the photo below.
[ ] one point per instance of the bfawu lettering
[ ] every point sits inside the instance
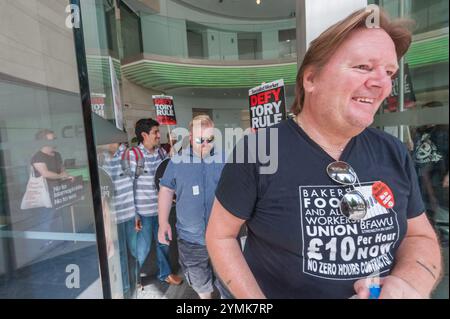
(335, 247)
(377, 224)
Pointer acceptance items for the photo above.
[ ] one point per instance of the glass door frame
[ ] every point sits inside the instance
(91, 152)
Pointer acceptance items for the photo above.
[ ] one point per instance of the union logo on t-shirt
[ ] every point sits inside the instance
(335, 247)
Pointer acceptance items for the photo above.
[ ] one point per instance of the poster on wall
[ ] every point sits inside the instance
(98, 104)
(165, 109)
(267, 104)
(392, 102)
(116, 96)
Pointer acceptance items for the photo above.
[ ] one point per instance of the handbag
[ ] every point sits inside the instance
(36, 194)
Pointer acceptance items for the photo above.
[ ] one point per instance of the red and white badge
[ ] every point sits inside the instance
(383, 195)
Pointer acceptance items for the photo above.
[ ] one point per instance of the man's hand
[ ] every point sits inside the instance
(392, 287)
(137, 224)
(164, 233)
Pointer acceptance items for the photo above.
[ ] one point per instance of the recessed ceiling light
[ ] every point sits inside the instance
(258, 1)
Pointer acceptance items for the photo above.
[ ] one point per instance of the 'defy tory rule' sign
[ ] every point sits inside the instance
(267, 104)
(392, 102)
(165, 110)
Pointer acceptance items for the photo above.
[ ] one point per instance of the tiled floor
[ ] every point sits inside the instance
(153, 288)
(47, 278)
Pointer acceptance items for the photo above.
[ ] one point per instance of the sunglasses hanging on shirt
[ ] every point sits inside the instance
(353, 205)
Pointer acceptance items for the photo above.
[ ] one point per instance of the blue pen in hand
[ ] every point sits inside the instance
(373, 283)
(375, 291)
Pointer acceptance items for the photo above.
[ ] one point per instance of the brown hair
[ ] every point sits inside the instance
(42, 134)
(324, 46)
(203, 119)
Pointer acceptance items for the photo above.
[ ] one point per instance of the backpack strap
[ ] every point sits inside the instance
(161, 154)
(125, 162)
(140, 161)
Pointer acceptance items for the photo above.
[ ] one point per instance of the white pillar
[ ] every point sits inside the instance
(314, 16)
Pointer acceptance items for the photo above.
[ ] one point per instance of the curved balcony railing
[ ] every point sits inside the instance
(181, 38)
(163, 73)
(172, 53)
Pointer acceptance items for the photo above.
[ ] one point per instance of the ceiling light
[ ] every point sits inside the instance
(258, 1)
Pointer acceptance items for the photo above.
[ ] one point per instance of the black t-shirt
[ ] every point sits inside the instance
(54, 163)
(299, 245)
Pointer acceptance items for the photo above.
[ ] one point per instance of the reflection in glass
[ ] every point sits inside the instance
(42, 244)
(48, 249)
(119, 216)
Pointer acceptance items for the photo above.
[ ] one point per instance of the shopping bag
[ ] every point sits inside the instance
(36, 194)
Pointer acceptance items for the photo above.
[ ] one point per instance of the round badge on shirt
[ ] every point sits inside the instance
(383, 194)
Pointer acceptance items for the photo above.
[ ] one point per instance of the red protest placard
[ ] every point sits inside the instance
(165, 110)
(392, 102)
(267, 104)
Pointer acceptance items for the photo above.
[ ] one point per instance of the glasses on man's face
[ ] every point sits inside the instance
(353, 205)
(201, 140)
